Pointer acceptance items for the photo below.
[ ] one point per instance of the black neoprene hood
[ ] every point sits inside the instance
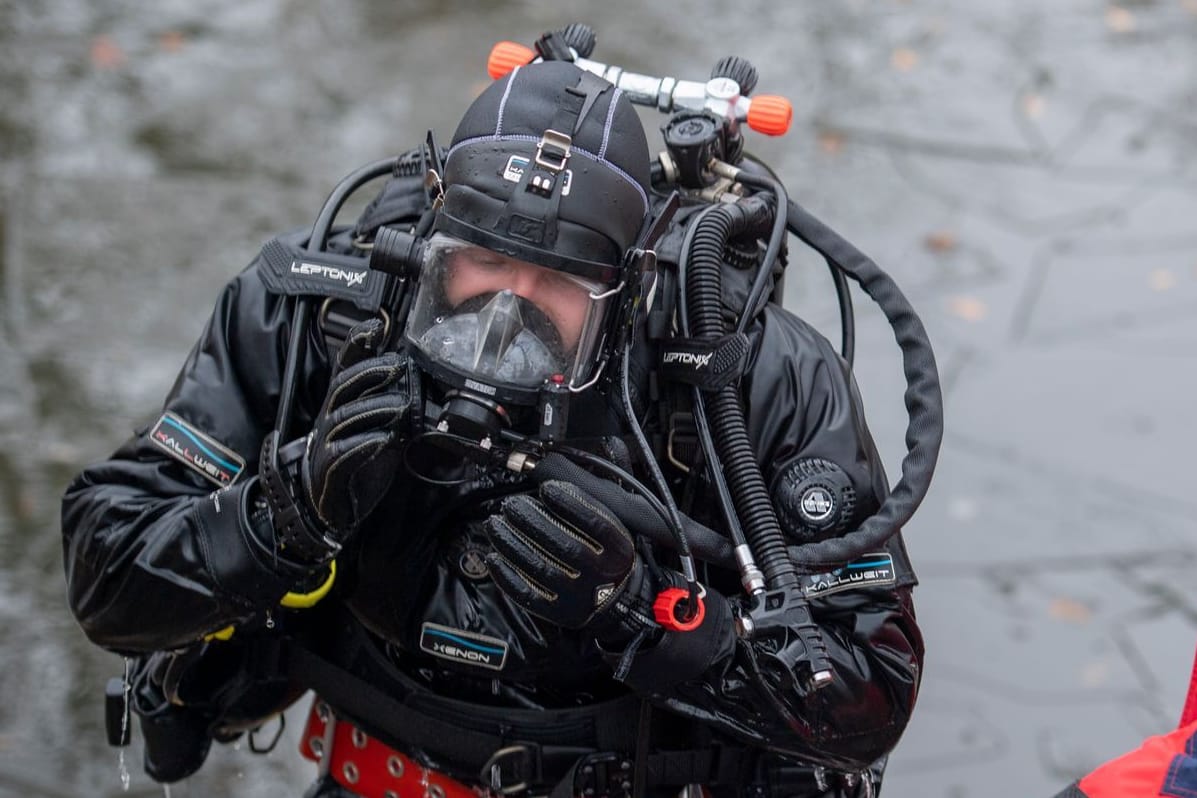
(512, 188)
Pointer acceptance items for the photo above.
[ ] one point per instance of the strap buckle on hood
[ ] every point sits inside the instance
(553, 150)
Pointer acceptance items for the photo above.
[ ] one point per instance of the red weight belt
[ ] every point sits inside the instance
(369, 768)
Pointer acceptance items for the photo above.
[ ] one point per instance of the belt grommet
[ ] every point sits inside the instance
(358, 738)
(349, 770)
(435, 791)
(390, 794)
(395, 766)
(323, 712)
(317, 746)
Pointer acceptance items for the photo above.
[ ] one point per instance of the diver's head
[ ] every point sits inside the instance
(545, 194)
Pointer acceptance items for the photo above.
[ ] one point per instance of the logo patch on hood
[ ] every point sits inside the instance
(203, 454)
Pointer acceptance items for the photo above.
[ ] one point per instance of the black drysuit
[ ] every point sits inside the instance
(157, 558)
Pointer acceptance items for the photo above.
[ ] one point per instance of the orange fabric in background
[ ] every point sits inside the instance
(1163, 766)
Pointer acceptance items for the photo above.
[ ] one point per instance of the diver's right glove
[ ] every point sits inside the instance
(566, 558)
(353, 450)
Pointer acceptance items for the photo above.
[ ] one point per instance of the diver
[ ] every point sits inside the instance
(527, 476)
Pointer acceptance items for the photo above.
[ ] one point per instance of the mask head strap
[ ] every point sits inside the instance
(531, 213)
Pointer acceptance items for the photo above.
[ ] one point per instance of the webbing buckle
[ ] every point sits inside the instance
(519, 764)
(605, 774)
(336, 325)
(552, 151)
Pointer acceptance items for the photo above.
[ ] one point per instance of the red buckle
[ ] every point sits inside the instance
(667, 605)
(369, 768)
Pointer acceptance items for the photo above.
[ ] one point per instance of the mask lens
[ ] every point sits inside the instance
(500, 319)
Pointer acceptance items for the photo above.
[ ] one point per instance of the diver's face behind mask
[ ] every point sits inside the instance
(504, 322)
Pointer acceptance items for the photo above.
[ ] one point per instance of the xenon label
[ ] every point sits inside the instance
(468, 648)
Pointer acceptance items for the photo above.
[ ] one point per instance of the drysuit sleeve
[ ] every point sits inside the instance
(161, 542)
(802, 405)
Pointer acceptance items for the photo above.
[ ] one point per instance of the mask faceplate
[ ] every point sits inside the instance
(504, 321)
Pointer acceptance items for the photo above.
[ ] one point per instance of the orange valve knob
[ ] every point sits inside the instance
(506, 56)
(770, 114)
(670, 607)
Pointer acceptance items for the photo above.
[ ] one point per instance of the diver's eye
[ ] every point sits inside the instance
(559, 283)
(482, 259)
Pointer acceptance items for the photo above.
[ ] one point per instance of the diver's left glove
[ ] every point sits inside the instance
(320, 496)
(566, 558)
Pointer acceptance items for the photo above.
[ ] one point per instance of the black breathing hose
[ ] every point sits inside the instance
(704, 302)
(923, 397)
(723, 497)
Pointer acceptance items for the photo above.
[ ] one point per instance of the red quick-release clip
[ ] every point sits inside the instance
(671, 606)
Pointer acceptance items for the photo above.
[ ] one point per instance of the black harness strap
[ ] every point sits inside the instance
(531, 212)
(363, 702)
(552, 754)
(406, 715)
(713, 767)
(336, 317)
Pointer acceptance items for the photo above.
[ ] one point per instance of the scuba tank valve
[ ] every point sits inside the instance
(721, 95)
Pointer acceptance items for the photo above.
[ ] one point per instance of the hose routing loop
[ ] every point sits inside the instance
(923, 396)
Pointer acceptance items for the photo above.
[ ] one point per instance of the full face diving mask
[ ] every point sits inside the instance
(524, 289)
(493, 324)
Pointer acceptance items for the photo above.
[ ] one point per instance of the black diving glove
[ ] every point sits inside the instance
(354, 449)
(565, 558)
(319, 496)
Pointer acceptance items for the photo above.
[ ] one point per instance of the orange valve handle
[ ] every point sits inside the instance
(670, 606)
(506, 56)
(770, 114)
